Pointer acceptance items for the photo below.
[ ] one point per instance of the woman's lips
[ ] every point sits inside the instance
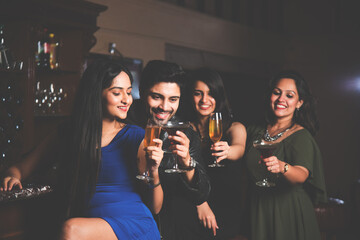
(124, 108)
(204, 107)
(280, 106)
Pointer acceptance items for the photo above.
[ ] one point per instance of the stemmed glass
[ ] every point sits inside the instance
(215, 132)
(171, 127)
(152, 131)
(266, 150)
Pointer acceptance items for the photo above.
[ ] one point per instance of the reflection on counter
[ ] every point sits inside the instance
(28, 191)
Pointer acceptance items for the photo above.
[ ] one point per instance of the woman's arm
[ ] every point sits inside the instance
(294, 174)
(207, 217)
(21, 170)
(199, 187)
(235, 149)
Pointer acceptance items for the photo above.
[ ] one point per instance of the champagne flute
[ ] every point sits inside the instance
(152, 131)
(171, 127)
(266, 150)
(215, 132)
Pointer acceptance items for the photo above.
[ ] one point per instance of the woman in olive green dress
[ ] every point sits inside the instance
(286, 210)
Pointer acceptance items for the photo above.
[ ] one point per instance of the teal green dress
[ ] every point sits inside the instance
(286, 211)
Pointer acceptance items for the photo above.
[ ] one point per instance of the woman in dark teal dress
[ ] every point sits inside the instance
(286, 211)
(99, 152)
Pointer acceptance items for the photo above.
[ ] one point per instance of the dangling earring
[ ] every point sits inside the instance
(296, 112)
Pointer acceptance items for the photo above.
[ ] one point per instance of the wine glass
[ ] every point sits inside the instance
(215, 133)
(152, 131)
(266, 150)
(171, 127)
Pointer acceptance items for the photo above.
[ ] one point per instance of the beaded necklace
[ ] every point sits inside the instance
(268, 138)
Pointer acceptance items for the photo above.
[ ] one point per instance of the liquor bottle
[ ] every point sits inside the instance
(6, 59)
(2, 36)
(42, 57)
(54, 47)
(46, 56)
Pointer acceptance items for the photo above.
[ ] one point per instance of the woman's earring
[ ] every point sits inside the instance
(296, 114)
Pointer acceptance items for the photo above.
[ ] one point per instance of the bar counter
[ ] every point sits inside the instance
(29, 191)
(28, 213)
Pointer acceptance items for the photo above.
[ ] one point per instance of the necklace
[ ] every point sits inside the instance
(268, 138)
(202, 137)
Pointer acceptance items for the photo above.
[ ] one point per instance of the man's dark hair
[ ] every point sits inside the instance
(157, 71)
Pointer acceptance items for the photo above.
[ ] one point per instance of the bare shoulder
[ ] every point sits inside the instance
(237, 128)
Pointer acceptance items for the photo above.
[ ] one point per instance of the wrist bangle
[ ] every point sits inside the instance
(154, 185)
(192, 163)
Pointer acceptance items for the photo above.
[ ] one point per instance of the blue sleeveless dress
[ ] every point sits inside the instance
(115, 199)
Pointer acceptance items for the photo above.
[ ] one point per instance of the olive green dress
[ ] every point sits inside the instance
(286, 211)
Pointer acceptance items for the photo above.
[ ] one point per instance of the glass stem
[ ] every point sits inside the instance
(175, 161)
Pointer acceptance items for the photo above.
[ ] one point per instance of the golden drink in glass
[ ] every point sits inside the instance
(215, 132)
(152, 131)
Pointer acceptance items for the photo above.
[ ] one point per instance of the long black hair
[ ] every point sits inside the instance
(306, 115)
(217, 90)
(84, 133)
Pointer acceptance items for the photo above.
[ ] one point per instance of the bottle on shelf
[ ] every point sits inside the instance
(2, 35)
(54, 48)
(6, 59)
(42, 56)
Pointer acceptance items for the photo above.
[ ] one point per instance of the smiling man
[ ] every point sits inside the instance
(160, 91)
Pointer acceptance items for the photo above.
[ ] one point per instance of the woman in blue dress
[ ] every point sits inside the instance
(99, 161)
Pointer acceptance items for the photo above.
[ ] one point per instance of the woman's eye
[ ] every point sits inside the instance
(277, 93)
(289, 96)
(116, 94)
(128, 93)
(197, 94)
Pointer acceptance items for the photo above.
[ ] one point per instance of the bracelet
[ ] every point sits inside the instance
(192, 165)
(154, 185)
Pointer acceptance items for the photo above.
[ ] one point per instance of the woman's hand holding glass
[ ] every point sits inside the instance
(274, 165)
(266, 150)
(220, 150)
(152, 150)
(215, 133)
(154, 155)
